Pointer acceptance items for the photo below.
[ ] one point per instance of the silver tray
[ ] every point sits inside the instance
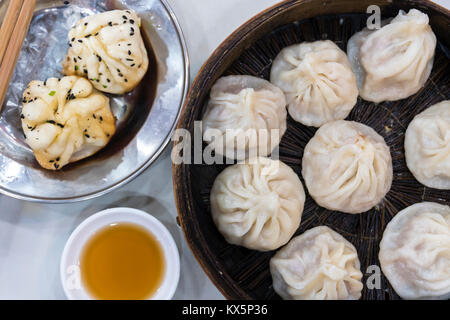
(146, 117)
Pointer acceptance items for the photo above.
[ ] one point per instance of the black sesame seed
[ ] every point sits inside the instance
(60, 125)
(108, 80)
(75, 60)
(131, 21)
(57, 159)
(73, 39)
(85, 71)
(85, 23)
(24, 100)
(80, 41)
(87, 36)
(45, 82)
(118, 70)
(132, 29)
(87, 136)
(120, 75)
(110, 24)
(51, 161)
(129, 52)
(94, 116)
(79, 58)
(126, 80)
(96, 34)
(99, 58)
(70, 45)
(56, 166)
(66, 2)
(101, 118)
(133, 65)
(22, 116)
(128, 59)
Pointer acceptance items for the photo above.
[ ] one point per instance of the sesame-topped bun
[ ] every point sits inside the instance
(108, 49)
(65, 120)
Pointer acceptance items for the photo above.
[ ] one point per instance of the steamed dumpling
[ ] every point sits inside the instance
(257, 204)
(319, 264)
(427, 146)
(415, 252)
(347, 167)
(394, 62)
(108, 49)
(317, 80)
(245, 117)
(65, 120)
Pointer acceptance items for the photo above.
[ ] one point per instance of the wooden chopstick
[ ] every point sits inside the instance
(8, 24)
(20, 30)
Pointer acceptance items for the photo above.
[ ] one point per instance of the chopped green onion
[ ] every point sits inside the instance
(105, 86)
(76, 68)
(52, 93)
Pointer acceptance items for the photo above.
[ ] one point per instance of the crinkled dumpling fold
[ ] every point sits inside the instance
(394, 62)
(65, 120)
(427, 146)
(107, 48)
(257, 204)
(415, 252)
(347, 167)
(245, 117)
(317, 80)
(319, 264)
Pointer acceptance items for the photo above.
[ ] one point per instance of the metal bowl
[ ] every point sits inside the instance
(146, 116)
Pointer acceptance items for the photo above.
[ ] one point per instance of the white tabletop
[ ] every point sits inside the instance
(32, 236)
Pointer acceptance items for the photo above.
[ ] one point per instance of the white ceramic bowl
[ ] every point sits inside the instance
(70, 260)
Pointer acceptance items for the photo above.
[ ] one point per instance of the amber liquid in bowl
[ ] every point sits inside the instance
(122, 261)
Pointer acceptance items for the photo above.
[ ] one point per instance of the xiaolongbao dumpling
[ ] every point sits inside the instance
(257, 204)
(317, 80)
(347, 167)
(108, 49)
(415, 252)
(394, 62)
(65, 120)
(245, 117)
(427, 146)
(319, 264)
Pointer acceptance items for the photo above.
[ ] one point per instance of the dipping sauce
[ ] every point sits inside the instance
(122, 261)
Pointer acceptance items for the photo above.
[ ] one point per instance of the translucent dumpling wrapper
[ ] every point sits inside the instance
(317, 80)
(347, 167)
(415, 252)
(257, 204)
(65, 120)
(245, 117)
(319, 264)
(427, 146)
(395, 61)
(107, 48)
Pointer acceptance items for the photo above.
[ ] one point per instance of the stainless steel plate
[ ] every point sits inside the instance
(146, 117)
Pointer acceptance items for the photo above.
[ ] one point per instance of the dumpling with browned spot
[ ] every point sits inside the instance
(108, 49)
(65, 120)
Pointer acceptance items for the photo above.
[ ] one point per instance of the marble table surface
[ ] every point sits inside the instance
(32, 236)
